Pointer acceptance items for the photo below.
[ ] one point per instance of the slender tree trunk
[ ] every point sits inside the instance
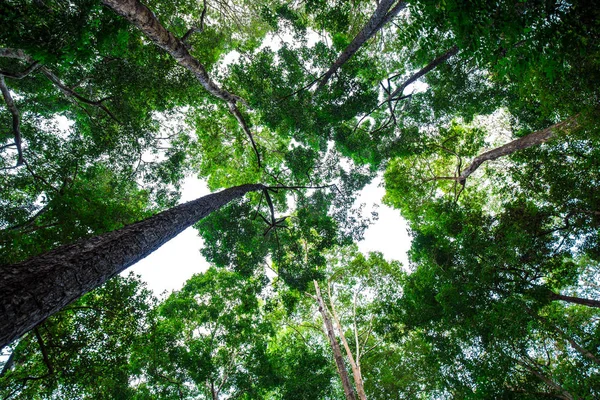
(533, 139)
(385, 11)
(358, 382)
(16, 118)
(337, 352)
(563, 393)
(575, 300)
(145, 20)
(34, 289)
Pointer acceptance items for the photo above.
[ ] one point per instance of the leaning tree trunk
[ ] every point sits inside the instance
(386, 10)
(533, 139)
(575, 300)
(34, 289)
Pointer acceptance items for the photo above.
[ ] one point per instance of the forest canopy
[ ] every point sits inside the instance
(481, 118)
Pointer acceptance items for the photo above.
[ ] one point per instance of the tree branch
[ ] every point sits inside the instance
(16, 119)
(423, 71)
(385, 11)
(522, 143)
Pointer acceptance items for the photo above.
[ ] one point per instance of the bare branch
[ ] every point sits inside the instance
(20, 75)
(414, 77)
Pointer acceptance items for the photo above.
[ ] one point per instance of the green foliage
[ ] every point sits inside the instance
(477, 315)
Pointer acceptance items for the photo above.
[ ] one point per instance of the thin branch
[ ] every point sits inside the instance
(193, 30)
(16, 119)
(20, 75)
(423, 71)
(71, 93)
(44, 351)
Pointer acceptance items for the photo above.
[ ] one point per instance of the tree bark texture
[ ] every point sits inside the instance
(34, 289)
(337, 352)
(145, 20)
(385, 11)
(533, 139)
(16, 118)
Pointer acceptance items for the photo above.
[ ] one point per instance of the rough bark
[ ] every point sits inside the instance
(358, 381)
(575, 300)
(37, 288)
(337, 352)
(16, 119)
(533, 139)
(423, 71)
(385, 11)
(145, 20)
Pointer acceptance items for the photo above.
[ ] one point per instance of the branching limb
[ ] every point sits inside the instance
(193, 30)
(145, 20)
(71, 93)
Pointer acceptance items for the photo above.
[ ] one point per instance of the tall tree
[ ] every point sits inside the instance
(37, 288)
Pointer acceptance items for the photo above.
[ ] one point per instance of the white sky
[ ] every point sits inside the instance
(169, 267)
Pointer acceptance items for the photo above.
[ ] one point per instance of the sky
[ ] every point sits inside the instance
(169, 267)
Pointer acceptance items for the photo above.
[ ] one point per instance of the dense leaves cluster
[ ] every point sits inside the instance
(482, 117)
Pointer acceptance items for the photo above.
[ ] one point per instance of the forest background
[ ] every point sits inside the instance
(493, 163)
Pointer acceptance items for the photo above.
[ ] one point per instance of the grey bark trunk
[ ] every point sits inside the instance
(358, 381)
(16, 118)
(337, 352)
(34, 289)
(145, 20)
(533, 139)
(575, 300)
(382, 15)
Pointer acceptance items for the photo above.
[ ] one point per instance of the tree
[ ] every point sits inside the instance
(39, 287)
(107, 105)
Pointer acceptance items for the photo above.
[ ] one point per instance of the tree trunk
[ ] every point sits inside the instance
(360, 390)
(575, 300)
(337, 352)
(145, 20)
(380, 17)
(562, 392)
(34, 289)
(524, 142)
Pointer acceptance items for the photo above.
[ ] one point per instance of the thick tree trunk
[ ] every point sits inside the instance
(533, 139)
(575, 300)
(358, 381)
(37, 288)
(382, 15)
(337, 352)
